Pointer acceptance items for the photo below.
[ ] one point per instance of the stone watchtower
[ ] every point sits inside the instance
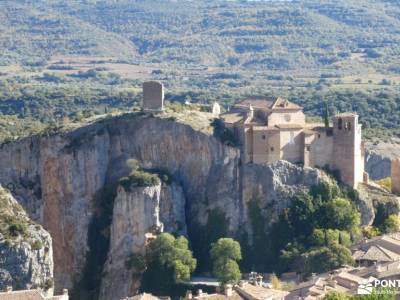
(348, 154)
(153, 96)
(396, 176)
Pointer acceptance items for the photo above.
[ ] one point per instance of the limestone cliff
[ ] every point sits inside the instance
(26, 254)
(378, 159)
(372, 197)
(137, 216)
(57, 176)
(274, 186)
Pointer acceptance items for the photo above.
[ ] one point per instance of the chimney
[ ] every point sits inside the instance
(9, 289)
(199, 292)
(65, 292)
(228, 290)
(241, 283)
(189, 294)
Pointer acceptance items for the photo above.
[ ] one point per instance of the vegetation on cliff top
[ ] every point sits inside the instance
(139, 177)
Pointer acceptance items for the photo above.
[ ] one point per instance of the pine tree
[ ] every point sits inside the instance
(326, 115)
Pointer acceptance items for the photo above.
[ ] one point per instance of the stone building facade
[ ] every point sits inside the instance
(153, 96)
(271, 129)
(395, 170)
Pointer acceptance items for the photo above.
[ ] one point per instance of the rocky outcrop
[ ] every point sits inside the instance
(273, 187)
(377, 165)
(378, 159)
(172, 209)
(137, 216)
(373, 196)
(26, 254)
(56, 177)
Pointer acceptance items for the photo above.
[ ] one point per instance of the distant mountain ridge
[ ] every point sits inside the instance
(275, 35)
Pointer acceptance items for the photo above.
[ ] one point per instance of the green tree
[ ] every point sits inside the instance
(327, 258)
(391, 224)
(371, 231)
(340, 214)
(225, 254)
(326, 114)
(300, 214)
(169, 261)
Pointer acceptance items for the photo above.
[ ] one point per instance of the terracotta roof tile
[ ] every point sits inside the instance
(282, 103)
(259, 292)
(257, 103)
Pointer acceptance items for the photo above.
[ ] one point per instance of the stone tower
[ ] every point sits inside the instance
(347, 148)
(396, 176)
(153, 96)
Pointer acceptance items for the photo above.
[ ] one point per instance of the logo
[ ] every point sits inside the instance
(365, 288)
(376, 286)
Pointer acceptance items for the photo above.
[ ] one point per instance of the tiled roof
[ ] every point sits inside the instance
(256, 103)
(350, 277)
(385, 247)
(22, 295)
(378, 253)
(143, 296)
(281, 103)
(259, 292)
(235, 296)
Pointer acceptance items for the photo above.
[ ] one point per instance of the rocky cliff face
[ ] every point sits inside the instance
(56, 177)
(137, 216)
(378, 159)
(26, 254)
(372, 197)
(274, 186)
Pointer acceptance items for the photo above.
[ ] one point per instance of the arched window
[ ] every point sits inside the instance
(340, 124)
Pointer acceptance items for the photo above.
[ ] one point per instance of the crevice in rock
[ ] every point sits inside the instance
(88, 285)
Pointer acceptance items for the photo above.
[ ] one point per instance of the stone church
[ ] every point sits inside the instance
(275, 129)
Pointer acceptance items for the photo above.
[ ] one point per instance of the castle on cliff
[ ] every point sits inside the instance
(272, 129)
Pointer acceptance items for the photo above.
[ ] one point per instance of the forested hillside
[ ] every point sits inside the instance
(61, 57)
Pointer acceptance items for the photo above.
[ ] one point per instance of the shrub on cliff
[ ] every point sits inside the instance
(139, 178)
